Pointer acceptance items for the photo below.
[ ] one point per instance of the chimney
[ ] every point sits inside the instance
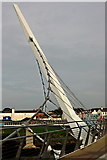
(13, 110)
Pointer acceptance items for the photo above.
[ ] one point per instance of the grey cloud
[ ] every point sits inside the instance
(71, 36)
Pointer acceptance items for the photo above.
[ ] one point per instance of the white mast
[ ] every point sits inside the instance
(65, 105)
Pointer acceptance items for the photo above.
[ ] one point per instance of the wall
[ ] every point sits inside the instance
(16, 116)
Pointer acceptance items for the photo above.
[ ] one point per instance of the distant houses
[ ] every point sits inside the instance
(99, 113)
(19, 115)
(9, 114)
(102, 112)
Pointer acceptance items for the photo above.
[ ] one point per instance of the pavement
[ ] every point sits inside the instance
(104, 157)
(96, 150)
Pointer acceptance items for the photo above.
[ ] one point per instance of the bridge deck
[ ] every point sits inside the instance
(93, 151)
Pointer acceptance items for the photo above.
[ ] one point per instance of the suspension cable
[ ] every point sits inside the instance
(48, 71)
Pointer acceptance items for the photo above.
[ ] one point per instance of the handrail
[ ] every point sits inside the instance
(45, 123)
(47, 141)
(40, 133)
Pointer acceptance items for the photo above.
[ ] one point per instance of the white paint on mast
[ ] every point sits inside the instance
(60, 95)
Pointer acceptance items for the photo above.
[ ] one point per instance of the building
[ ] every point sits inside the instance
(16, 115)
(19, 115)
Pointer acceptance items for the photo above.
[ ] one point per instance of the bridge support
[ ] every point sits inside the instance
(29, 141)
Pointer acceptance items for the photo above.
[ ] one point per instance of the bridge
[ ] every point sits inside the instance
(28, 141)
(74, 139)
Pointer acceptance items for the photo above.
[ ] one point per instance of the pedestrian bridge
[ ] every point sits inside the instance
(52, 142)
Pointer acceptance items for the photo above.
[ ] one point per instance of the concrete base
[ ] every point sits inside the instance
(29, 141)
(30, 147)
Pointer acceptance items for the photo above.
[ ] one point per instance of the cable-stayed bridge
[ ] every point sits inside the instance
(74, 139)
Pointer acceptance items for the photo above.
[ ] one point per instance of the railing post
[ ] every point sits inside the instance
(48, 152)
(100, 130)
(19, 149)
(43, 146)
(94, 132)
(78, 143)
(64, 144)
(45, 141)
(103, 127)
(105, 123)
(87, 138)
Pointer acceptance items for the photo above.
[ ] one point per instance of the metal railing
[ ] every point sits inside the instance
(45, 142)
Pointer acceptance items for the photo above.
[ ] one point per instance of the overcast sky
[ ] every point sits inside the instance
(73, 39)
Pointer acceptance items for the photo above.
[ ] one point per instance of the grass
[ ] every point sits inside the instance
(6, 132)
(55, 135)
